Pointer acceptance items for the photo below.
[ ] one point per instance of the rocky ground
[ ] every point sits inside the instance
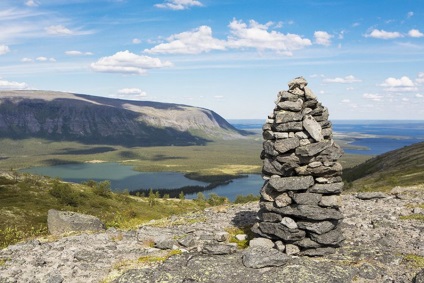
(380, 246)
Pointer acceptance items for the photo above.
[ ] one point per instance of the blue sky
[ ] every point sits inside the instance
(363, 59)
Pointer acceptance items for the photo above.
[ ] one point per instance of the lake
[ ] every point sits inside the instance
(123, 177)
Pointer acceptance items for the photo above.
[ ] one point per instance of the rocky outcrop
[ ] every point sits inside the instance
(300, 199)
(379, 247)
(60, 222)
(91, 119)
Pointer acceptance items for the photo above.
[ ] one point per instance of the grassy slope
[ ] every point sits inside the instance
(25, 200)
(399, 167)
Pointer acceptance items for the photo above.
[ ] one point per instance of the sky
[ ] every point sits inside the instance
(363, 59)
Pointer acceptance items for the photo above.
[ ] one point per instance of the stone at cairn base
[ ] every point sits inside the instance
(300, 199)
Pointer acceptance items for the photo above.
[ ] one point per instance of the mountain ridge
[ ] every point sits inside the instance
(91, 119)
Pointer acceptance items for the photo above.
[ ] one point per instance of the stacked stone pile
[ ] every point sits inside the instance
(300, 199)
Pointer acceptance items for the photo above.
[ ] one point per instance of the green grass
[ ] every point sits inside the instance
(218, 157)
(24, 204)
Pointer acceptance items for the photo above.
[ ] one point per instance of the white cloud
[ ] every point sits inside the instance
(77, 53)
(27, 60)
(219, 97)
(4, 49)
(382, 34)
(191, 42)
(32, 3)
(179, 4)
(136, 41)
(410, 14)
(45, 59)
(402, 84)
(12, 85)
(128, 63)
(372, 96)
(346, 100)
(346, 80)
(323, 38)
(420, 78)
(64, 31)
(131, 92)
(257, 36)
(415, 33)
(419, 95)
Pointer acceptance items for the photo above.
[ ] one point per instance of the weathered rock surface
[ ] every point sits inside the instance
(376, 249)
(60, 222)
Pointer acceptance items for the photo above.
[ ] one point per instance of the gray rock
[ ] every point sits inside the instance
(313, 128)
(60, 222)
(280, 231)
(283, 200)
(269, 216)
(371, 195)
(309, 95)
(261, 242)
(419, 278)
(165, 243)
(286, 145)
(291, 183)
(289, 127)
(289, 223)
(299, 82)
(306, 198)
(310, 212)
(332, 238)
(259, 257)
(292, 249)
(188, 241)
(291, 105)
(333, 188)
(313, 148)
(307, 243)
(331, 201)
(320, 227)
(218, 249)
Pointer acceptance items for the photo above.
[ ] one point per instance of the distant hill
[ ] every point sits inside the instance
(404, 166)
(98, 120)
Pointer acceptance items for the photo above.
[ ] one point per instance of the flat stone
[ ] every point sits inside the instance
(306, 198)
(259, 257)
(291, 183)
(309, 212)
(307, 243)
(280, 231)
(292, 249)
(313, 128)
(309, 94)
(261, 242)
(289, 223)
(319, 228)
(371, 195)
(60, 222)
(286, 145)
(283, 200)
(291, 105)
(333, 188)
(331, 201)
(331, 238)
(287, 116)
(290, 126)
(313, 148)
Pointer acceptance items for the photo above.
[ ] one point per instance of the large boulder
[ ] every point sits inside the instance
(60, 222)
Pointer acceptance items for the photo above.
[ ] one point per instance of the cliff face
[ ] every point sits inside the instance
(90, 119)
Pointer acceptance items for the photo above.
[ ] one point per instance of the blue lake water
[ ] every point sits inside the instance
(124, 177)
(373, 136)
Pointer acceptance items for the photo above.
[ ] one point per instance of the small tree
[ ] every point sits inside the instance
(152, 198)
(201, 197)
(181, 196)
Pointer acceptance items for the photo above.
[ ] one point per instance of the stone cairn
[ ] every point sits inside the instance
(300, 199)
